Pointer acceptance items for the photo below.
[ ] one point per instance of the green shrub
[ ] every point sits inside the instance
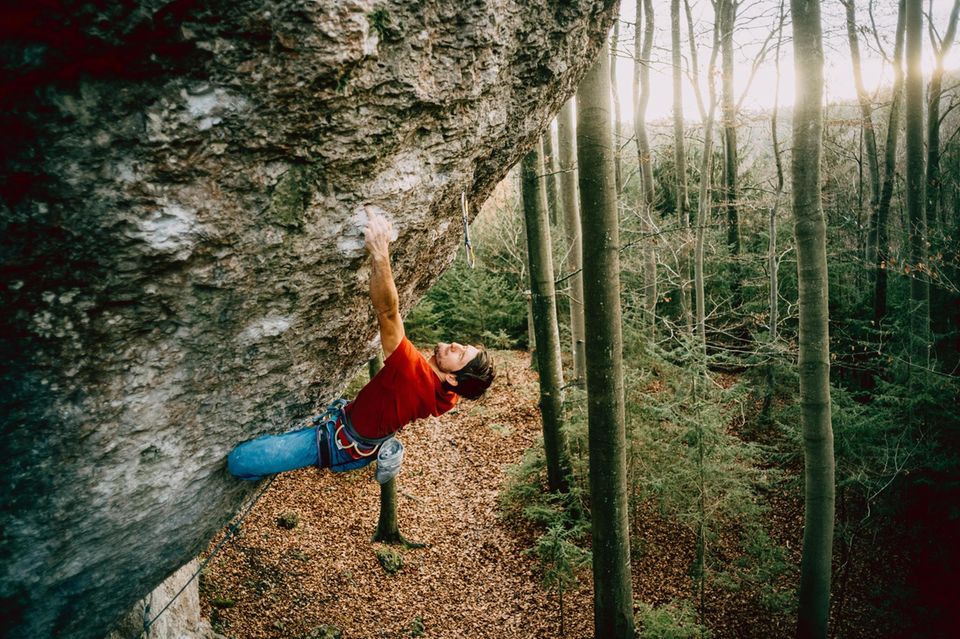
(675, 620)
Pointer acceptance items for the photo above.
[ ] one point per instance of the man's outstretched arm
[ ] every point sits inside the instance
(383, 292)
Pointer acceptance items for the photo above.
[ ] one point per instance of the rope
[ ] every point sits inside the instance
(231, 531)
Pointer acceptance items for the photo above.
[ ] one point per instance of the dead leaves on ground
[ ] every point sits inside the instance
(303, 565)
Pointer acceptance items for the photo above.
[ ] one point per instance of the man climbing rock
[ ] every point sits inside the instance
(408, 387)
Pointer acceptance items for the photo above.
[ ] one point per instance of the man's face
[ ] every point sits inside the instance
(452, 357)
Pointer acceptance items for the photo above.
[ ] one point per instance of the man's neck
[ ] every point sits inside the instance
(436, 369)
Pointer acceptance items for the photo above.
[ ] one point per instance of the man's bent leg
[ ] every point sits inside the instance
(272, 454)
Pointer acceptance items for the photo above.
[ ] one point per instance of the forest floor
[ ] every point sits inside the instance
(474, 579)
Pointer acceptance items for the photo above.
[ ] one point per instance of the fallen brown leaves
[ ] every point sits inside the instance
(473, 580)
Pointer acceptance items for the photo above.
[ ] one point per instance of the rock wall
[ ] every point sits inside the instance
(181, 195)
(181, 620)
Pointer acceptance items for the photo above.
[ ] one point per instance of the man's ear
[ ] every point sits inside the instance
(450, 379)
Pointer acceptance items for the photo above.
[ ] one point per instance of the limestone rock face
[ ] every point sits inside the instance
(183, 185)
(181, 620)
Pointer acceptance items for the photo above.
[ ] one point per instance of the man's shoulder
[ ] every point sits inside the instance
(407, 357)
(404, 351)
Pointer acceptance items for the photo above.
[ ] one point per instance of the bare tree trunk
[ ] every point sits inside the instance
(703, 213)
(388, 531)
(773, 260)
(869, 134)
(728, 16)
(940, 297)
(613, 590)
(615, 93)
(540, 257)
(567, 141)
(889, 175)
(706, 167)
(680, 165)
(774, 263)
(933, 118)
(917, 235)
(550, 173)
(641, 98)
(814, 347)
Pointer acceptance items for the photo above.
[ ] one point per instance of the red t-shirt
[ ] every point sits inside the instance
(405, 389)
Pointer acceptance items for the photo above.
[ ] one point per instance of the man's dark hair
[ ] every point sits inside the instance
(476, 376)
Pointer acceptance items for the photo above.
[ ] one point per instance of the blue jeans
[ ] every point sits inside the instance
(271, 454)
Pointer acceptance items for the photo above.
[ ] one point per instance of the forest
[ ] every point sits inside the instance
(784, 293)
(734, 259)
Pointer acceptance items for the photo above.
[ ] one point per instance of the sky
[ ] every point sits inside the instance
(756, 20)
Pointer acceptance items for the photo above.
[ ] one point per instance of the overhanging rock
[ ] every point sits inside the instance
(181, 235)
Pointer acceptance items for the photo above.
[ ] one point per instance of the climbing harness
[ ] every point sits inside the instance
(471, 258)
(325, 423)
(388, 449)
(231, 533)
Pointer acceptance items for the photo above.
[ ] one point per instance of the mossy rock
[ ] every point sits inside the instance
(416, 628)
(391, 560)
(324, 631)
(290, 198)
(288, 520)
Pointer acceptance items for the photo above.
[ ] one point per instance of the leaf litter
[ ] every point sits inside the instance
(476, 578)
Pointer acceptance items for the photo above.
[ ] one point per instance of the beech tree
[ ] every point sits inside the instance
(727, 16)
(882, 219)
(814, 343)
(707, 117)
(917, 233)
(941, 47)
(550, 174)
(567, 155)
(543, 297)
(939, 297)
(680, 163)
(388, 530)
(866, 126)
(641, 98)
(613, 590)
(615, 96)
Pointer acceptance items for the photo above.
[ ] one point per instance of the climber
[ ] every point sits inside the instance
(408, 387)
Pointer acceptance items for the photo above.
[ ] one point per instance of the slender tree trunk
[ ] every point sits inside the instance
(388, 531)
(540, 257)
(703, 214)
(550, 173)
(917, 235)
(566, 140)
(889, 175)
(814, 347)
(940, 298)
(706, 178)
(772, 260)
(728, 17)
(615, 93)
(933, 120)
(774, 263)
(866, 126)
(680, 164)
(613, 591)
(531, 333)
(641, 98)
